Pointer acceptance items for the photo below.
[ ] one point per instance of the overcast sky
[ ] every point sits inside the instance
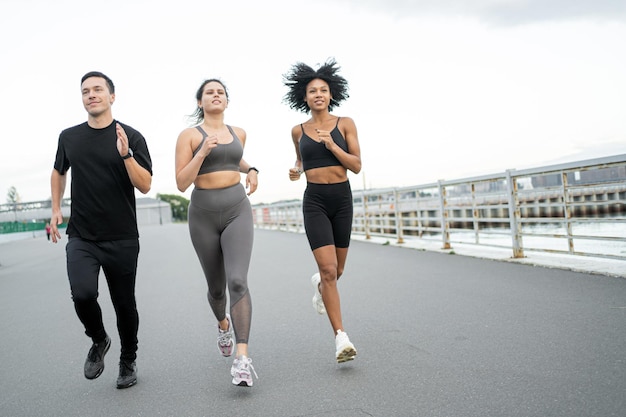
(439, 89)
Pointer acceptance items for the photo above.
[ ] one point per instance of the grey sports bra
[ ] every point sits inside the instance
(225, 157)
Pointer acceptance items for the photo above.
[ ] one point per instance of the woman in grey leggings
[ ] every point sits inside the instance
(209, 156)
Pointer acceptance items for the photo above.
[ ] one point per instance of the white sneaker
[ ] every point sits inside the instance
(225, 338)
(318, 302)
(240, 371)
(345, 349)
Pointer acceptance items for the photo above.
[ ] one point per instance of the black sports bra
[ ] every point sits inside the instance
(225, 157)
(315, 155)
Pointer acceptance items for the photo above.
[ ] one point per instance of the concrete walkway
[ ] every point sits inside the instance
(438, 335)
(588, 264)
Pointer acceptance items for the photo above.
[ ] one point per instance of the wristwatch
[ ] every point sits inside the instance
(129, 154)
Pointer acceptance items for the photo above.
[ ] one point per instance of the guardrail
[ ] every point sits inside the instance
(23, 216)
(576, 208)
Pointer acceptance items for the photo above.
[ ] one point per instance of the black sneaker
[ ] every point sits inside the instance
(128, 374)
(94, 365)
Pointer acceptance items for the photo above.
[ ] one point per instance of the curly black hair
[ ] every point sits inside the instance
(300, 75)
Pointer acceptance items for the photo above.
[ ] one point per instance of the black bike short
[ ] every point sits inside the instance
(328, 211)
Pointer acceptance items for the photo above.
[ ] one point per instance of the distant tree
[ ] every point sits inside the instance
(179, 204)
(13, 196)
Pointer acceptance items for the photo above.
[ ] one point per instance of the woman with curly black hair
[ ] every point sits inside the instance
(327, 146)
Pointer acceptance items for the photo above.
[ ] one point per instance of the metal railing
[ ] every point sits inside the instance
(149, 211)
(576, 208)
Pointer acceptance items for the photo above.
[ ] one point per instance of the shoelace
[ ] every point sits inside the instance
(94, 353)
(224, 338)
(246, 364)
(341, 339)
(320, 302)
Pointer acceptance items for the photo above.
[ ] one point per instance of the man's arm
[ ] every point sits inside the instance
(57, 187)
(139, 176)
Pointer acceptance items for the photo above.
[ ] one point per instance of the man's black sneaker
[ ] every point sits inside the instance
(94, 365)
(128, 374)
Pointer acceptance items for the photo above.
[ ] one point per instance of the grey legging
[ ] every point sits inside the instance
(221, 229)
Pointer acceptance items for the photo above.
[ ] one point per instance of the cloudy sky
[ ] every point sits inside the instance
(439, 89)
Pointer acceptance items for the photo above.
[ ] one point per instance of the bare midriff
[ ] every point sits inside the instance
(327, 175)
(216, 180)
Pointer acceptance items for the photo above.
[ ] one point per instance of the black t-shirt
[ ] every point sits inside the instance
(103, 198)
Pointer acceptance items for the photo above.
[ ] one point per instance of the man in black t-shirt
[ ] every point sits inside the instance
(108, 160)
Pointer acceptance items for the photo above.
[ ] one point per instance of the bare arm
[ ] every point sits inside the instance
(188, 164)
(296, 171)
(252, 180)
(139, 176)
(57, 187)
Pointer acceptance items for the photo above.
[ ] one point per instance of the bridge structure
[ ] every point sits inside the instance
(577, 208)
(438, 334)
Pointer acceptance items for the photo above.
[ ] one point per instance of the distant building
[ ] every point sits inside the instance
(581, 177)
(153, 211)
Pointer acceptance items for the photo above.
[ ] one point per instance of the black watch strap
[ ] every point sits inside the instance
(129, 154)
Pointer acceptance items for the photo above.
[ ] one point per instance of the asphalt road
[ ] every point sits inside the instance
(437, 334)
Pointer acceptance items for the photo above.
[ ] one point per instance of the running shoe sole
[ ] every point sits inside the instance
(347, 354)
(242, 383)
(124, 386)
